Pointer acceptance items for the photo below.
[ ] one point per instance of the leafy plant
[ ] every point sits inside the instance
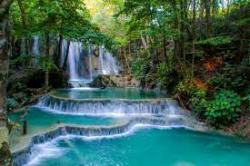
(247, 101)
(198, 101)
(140, 65)
(46, 64)
(185, 87)
(216, 41)
(11, 104)
(224, 108)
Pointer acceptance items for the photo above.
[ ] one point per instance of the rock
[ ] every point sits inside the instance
(115, 81)
(102, 81)
(5, 155)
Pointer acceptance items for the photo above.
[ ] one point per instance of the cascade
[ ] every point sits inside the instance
(108, 65)
(80, 63)
(74, 60)
(107, 107)
(35, 46)
(132, 114)
(90, 69)
(101, 52)
(36, 49)
(91, 133)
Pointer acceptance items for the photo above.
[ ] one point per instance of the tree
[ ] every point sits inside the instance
(4, 65)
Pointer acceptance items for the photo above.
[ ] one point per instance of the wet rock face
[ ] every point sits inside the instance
(5, 155)
(115, 81)
(102, 81)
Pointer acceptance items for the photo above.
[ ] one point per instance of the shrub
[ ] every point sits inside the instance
(223, 109)
(198, 101)
(11, 104)
(140, 65)
(247, 101)
(185, 87)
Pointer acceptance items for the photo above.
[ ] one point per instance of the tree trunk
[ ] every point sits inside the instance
(4, 68)
(208, 22)
(193, 38)
(4, 59)
(165, 49)
(59, 51)
(25, 26)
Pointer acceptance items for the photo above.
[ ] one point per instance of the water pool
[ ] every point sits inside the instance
(110, 93)
(149, 147)
(39, 120)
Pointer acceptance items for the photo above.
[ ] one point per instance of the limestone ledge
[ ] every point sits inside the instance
(21, 155)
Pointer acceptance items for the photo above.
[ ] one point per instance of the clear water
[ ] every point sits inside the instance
(149, 147)
(39, 120)
(110, 93)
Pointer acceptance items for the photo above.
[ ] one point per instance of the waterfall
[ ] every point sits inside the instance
(107, 107)
(108, 65)
(101, 52)
(90, 63)
(35, 46)
(74, 61)
(23, 156)
(80, 63)
(63, 52)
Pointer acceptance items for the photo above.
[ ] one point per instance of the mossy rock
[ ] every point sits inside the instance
(102, 81)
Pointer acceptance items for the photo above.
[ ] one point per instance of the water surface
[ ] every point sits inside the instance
(110, 93)
(150, 147)
(39, 120)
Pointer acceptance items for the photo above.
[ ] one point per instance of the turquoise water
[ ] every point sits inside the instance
(118, 93)
(39, 120)
(150, 147)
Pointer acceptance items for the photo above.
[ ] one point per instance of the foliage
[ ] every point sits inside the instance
(21, 59)
(233, 77)
(247, 101)
(11, 104)
(198, 101)
(185, 87)
(224, 108)
(140, 65)
(46, 64)
(216, 41)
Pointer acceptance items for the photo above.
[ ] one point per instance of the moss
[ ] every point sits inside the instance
(5, 154)
(3, 134)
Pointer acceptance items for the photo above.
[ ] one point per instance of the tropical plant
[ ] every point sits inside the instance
(224, 108)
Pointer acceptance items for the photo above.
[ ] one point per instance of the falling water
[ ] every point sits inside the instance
(75, 51)
(63, 52)
(90, 64)
(80, 63)
(101, 52)
(35, 46)
(35, 49)
(107, 63)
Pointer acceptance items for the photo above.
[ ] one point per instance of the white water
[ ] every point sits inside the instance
(75, 51)
(36, 49)
(90, 69)
(82, 72)
(35, 46)
(108, 65)
(113, 108)
(51, 149)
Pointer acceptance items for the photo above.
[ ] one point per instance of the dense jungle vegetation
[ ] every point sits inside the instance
(196, 50)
